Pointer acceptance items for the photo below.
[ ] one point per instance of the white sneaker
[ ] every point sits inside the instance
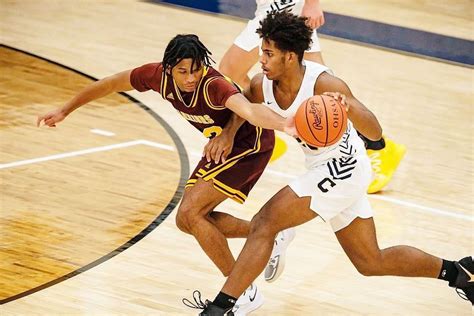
(276, 264)
(249, 301)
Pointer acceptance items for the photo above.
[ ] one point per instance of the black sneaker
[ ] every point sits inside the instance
(464, 283)
(208, 308)
(213, 310)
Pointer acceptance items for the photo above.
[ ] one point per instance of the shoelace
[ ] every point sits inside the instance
(461, 294)
(272, 262)
(198, 303)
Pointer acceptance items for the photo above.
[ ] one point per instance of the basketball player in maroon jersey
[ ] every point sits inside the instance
(240, 151)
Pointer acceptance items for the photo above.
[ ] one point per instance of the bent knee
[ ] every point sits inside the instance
(182, 223)
(233, 70)
(186, 219)
(225, 67)
(263, 223)
(369, 267)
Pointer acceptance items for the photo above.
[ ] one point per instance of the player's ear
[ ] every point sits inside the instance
(292, 57)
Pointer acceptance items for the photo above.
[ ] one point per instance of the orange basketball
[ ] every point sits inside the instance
(321, 121)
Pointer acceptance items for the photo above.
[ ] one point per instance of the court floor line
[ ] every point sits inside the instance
(415, 206)
(86, 152)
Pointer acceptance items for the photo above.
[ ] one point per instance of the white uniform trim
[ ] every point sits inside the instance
(248, 38)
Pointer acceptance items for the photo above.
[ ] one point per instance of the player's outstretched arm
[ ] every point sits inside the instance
(363, 119)
(115, 83)
(258, 114)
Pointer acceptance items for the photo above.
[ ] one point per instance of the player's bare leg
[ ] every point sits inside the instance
(272, 218)
(237, 62)
(193, 218)
(316, 57)
(359, 241)
(230, 226)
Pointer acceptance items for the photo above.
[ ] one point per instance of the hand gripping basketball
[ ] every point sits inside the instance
(321, 120)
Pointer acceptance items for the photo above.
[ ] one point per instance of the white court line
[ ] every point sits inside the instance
(156, 145)
(85, 152)
(102, 132)
(417, 207)
(447, 213)
(422, 207)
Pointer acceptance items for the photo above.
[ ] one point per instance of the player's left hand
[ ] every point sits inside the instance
(219, 147)
(314, 13)
(341, 98)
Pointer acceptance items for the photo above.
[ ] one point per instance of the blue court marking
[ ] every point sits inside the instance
(425, 44)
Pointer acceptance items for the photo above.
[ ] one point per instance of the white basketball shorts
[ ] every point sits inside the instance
(248, 39)
(338, 190)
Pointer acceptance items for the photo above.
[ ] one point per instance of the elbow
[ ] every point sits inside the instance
(379, 133)
(375, 134)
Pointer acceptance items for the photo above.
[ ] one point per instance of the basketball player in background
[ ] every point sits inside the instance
(384, 153)
(335, 184)
(240, 150)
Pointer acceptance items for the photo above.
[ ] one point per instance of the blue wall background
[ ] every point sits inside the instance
(444, 48)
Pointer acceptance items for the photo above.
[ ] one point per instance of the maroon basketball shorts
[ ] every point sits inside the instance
(243, 167)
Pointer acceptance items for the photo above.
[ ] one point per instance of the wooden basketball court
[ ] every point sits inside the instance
(87, 222)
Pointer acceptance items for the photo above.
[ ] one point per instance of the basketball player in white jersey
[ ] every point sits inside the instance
(384, 153)
(335, 184)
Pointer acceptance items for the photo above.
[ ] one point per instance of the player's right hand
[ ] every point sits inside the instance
(340, 97)
(219, 147)
(50, 119)
(314, 15)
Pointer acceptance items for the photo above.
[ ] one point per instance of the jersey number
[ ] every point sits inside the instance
(325, 184)
(212, 131)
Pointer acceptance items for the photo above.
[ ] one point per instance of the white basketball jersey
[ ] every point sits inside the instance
(349, 144)
(266, 6)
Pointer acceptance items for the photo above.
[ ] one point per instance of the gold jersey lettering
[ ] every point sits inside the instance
(202, 119)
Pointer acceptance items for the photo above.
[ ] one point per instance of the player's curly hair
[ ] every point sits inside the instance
(184, 46)
(288, 31)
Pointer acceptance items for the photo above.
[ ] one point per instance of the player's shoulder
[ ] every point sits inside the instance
(255, 91)
(154, 66)
(256, 82)
(257, 79)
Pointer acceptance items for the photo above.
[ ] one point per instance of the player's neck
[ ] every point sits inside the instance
(291, 81)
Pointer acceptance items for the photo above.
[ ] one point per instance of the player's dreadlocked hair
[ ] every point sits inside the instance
(186, 46)
(288, 31)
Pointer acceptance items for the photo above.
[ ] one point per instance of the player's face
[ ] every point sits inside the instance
(272, 60)
(185, 78)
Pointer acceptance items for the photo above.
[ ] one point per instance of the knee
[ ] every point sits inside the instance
(366, 270)
(186, 219)
(225, 67)
(181, 222)
(263, 223)
(233, 70)
(369, 266)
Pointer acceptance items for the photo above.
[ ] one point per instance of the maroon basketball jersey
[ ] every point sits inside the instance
(204, 108)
